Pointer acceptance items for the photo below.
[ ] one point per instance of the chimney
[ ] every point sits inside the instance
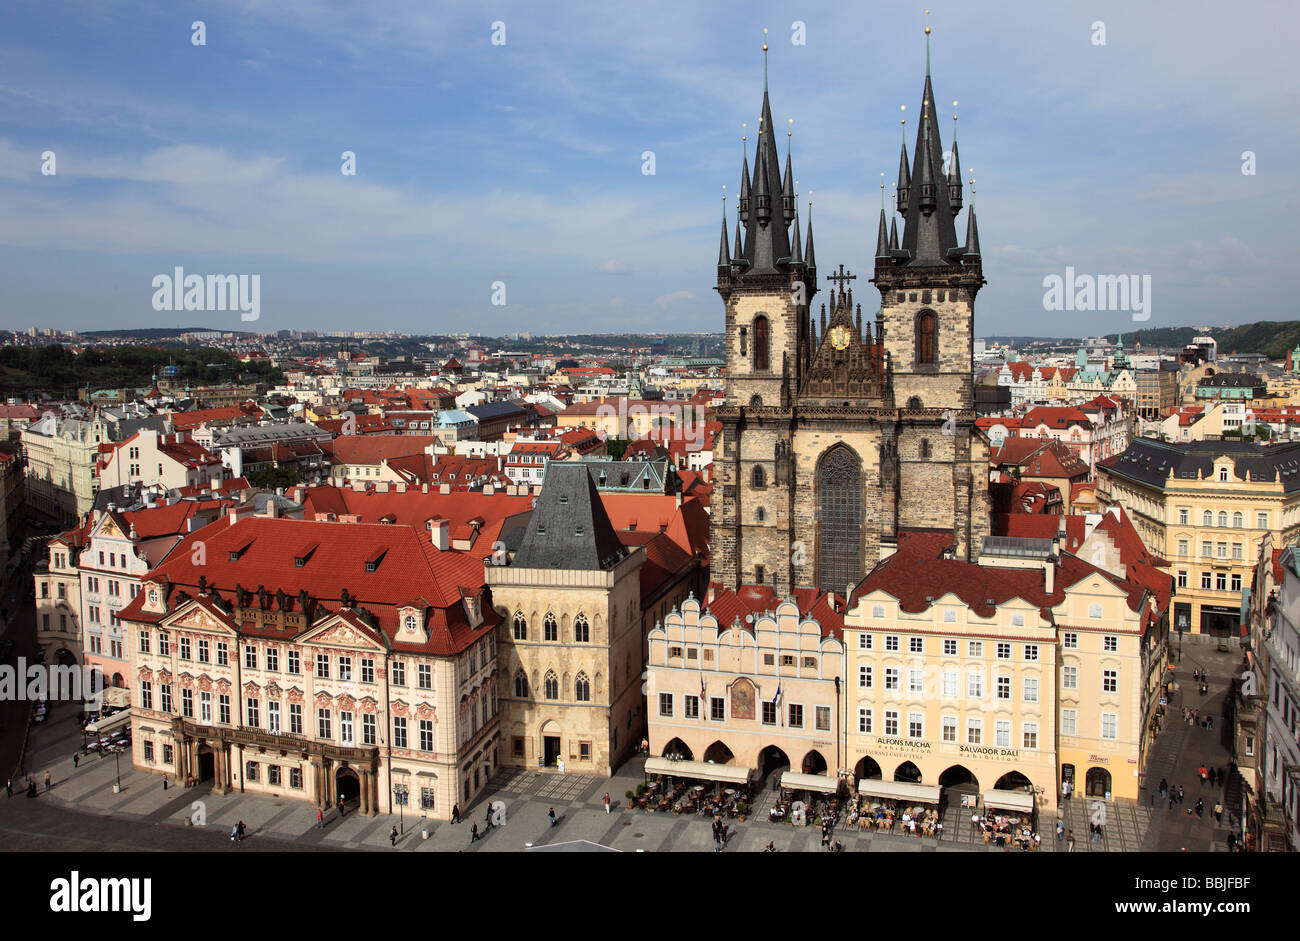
(233, 515)
(216, 484)
(1049, 575)
(441, 529)
(424, 487)
(679, 499)
(272, 507)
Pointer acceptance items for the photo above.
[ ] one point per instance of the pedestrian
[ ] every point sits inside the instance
(1173, 796)
(771, 847)
(47, 781)
(9, 787)
(320, 819)
(607, 802)
(234, 833)
(1180, 794)
(473, 832)
(342, 812)
(1205, 775)
(1164, 788)
(1200, 807)
(392, 836)
(1069, 840)
(164, 782)
(1060, 831)
(76, 759)
(240, 828)
(487, 819)
(551, 813)
(1209, 722)
(455, 813)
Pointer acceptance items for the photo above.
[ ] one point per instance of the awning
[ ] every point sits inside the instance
(117, 720)
(700, 770)
(900, 790)
(117, 697)
(1019, 801)
(809, 782)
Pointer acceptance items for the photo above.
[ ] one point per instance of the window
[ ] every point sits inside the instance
(426, 735)
(1261, 521)
(1236, 582)
(1207, 548)
(367, 729)
(916, 645)
(926, 345)
(250, 657)
(1182, 515)
(148, 750)
(424, 676)
(322, 666)
(1236, 550)
(1004, 651)
(1207, 518)
(950, 728)
(250, 770)
(399, 732)
(167, 754)
(185, 647)
(1109, 726)
(581, 631)
(974, 731)
(794, 715)
(891, 641)
(1182, 579)
(1110, 643)
(891, 677)
(205, 707)
(582, 688)
(1110, 681)
(787, 659)
(810, 663)
(345, 728)
(823, 718)
(915, 725)
(550, 629)
(864, 677)
(165, 697)
(1031, 651)
(323, 723)
(691, 707)
(367, 667)
(1223, 514)
(295, 719)
(146, 694)
(273, 775)
(891, 722)
(1069, 721)
(769, 713)
(762, 341)
(187, 703)
(1207, 580)
(865, 640)
(878, 611)
(757, 478)
(915, 682)
(665, 704)
(1069, 677)
(974, 686)
(144, 641)
(273, 717)
(1017, 620)
(295, 778)
(295, 662)
(1030, 737)
(521, 684)
(1222, 548)
(949, 647)
(1031, 689)
(251, 705)
(1004, 687)
(1182, 548)
(551, 685)
(975, 648)
(769, 659)
(399, 672)
(1236, 520)
(1220, 581)
(520, 626)
(864, 721)
(949, 684)
(1002, 733)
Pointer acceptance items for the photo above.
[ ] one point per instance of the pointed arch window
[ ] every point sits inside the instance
(762, 344)
(521, 626)
(927, 339)
(582, 688)
(581, 630)
(759, 478)
(552, 685)
(925, 449)
(521, 684)
(550, 630)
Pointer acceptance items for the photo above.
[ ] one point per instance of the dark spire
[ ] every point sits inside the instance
(739, 255)
(796, 253)
(972, 235)
(761, 194)
(893, 234)
(787, 188)
(904, 180)
(724, 259)
(809, 258)
(929, 235)
(767, 239)
(954, 179)
(569, 528)
(744, 190)
(882, 237)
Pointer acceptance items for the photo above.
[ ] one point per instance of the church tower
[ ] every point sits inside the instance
(766, 284)
(927, 290)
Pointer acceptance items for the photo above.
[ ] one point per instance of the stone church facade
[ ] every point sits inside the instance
(837, 431)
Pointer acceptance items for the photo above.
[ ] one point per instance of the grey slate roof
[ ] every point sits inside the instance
(490, 410)
(1149, 462)
(569, 528)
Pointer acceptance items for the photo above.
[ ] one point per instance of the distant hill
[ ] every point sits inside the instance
(154, 333)
(1271, 337)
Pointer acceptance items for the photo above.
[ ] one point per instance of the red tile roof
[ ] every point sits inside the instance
(728, 606)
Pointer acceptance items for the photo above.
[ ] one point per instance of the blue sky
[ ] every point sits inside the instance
(522, 162)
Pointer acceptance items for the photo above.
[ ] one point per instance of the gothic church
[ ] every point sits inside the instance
(839, 432)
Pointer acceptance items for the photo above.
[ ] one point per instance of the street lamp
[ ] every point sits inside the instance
(117, 761)
(399, 797)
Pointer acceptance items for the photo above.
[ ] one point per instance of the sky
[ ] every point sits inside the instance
(521, 161)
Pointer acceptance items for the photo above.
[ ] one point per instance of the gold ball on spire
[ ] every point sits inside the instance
(927, 31)
(765, 44)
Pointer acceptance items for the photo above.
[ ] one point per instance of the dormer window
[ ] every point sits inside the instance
(409, 621)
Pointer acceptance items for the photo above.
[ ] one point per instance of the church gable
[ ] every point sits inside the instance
(847, 365)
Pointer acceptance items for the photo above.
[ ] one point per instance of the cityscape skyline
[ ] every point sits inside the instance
(480, 164)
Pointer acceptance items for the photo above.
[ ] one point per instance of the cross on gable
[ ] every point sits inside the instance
(841, 278)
